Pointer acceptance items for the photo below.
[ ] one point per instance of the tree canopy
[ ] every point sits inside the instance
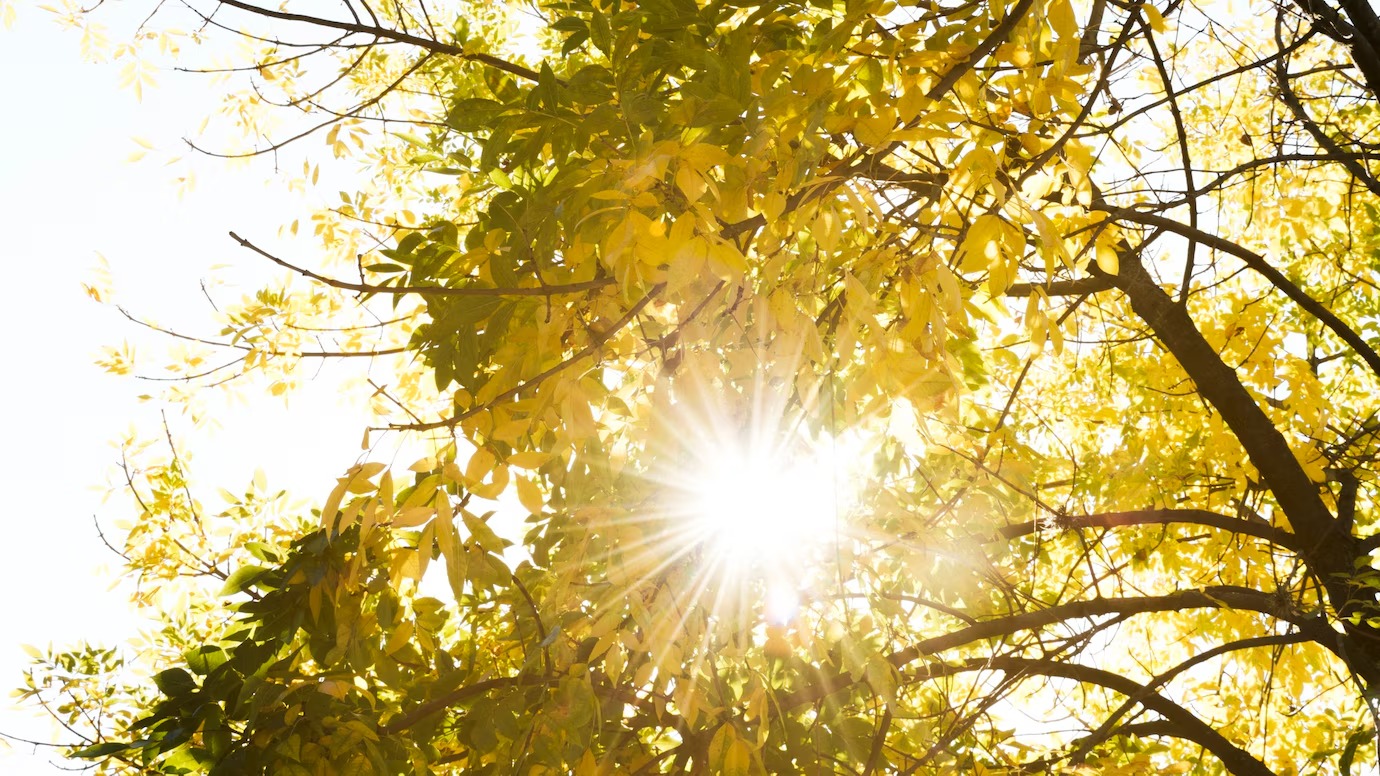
(822, 386)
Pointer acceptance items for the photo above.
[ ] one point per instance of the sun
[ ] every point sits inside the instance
(756, 490)
(764, 508)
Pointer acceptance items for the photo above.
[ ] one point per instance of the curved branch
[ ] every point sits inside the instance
(278, 145)
(1218, 597)
(434, 46)
(250, 349)
(1177, 722)
(1201, 517)
(1108, 728)
(1186, 724)
(1258, 263)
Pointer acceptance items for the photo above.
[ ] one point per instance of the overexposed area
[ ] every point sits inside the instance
(68, 195)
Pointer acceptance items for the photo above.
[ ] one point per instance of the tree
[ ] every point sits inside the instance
(979, 387)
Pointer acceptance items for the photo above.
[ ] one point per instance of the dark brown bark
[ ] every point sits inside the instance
(1330, 552)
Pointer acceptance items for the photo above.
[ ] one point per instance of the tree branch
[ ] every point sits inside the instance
(1156, 517)
(1079, 287)
(543, 291)
(1258, 263)
(538, 379)
(1218, 597)
(387, 34)
(1185, 723)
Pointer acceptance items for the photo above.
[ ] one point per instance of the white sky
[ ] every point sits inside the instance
(65, 194)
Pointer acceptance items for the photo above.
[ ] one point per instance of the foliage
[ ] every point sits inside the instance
(1075, 300)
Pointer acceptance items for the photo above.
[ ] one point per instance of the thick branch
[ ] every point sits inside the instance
(1079, 287)
(1186, 724)
(1365, 41)
(1219, 597)
(1109, 727)
(1331, 553)
(1157, 517)
(1177, 722)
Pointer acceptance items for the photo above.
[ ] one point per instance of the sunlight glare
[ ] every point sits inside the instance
(765, 506)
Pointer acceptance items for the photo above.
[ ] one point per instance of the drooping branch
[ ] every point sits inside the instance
(1177, 721)
(249, 349)
(1186, 724)
(367, 288)
(385, 33)
(1109, 726)
(1262, 266)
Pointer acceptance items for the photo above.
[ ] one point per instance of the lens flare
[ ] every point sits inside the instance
(764, 507)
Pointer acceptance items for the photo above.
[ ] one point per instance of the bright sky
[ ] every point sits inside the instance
(66, 193)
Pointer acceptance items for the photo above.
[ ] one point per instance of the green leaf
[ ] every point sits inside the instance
(242, 578)
(174, 682)
(473, 114)
(205, 659)
(1349, 752)
(548, 90)
(600, 33)
(104, 749)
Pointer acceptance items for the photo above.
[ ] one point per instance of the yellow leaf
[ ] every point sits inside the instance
(334, 688)
(1107, 259)
(1154, 17)
(386, 489)
(530, 459)
(729, 755)
(687, 264)
(690, 183)
(332, 505)
(874, 130)
(529, 495)
(449, 544)
(479, 466)
(1051, 243)
(982, 245)
(413, 516)
(399, 638)
(727, 261)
